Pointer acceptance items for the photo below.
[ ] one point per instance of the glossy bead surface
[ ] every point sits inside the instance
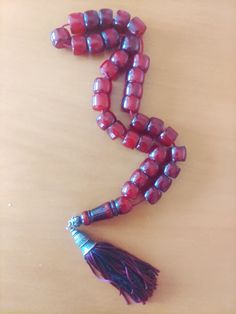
(105, 18)
(121, 20)
(61, 38)
(139, 122)
(139, 178)
(100, 102)
(102, 84)
(130, 43)
(105, 119)
(101, 212)
(134, 89)
(171, 170)
(163, 183)
(116, 130)
(152, 195)
(168, 136)
(111, 38)
(95, 43)
(135, 75)
(159, 154)
(131, 139)
(109, 69)
(123, 205)
(79, 45)
(141, 61)
(178, 153)
(84, 218)
(131, 103)
(130, 190)
(145, 144)
(136, 26)
(76, 22)
(149, 167)
(91, 20)
(155, 126)
(120, 58)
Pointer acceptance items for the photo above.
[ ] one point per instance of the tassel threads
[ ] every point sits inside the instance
(135, 279)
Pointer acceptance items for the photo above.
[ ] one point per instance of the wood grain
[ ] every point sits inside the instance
(55, 162)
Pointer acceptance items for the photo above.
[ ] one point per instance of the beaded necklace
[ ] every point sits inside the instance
(93, 32)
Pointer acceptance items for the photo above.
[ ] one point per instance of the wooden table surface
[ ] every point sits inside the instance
(55, 162)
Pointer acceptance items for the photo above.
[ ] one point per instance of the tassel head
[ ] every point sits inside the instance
(82, 241)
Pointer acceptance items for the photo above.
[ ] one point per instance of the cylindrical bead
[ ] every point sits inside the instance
(121, 19)
(109, 69)
(139, 121)
(76, 22)
(61, 38)
(105, 18)
(91, 20)
(105, 119)
(120, 58)
(168, 136)
(102, 84)
(141, 61)
(130, 44)
(111, 38)
(100, 101)
(136, 26)
(79, 45)
(95, 43)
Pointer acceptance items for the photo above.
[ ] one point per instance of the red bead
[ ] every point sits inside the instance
(139, 178)
(123, 205)
(141, 61)
(100, 102)
(171, 170)
(135, 75)
(76, 22)
(168, 136)
(149, 167)
(159, 154)
(120, 58)
(111, 37)
(136, 26)
(163, 183)
(109, 69)
(131, 103)
(130, 190)
(139, 121)
(105, 18)
(105, 119)
(102, 84)
(61, 38)
(130, 43)
(131, 139)
(121, 20)
(95, 43)
(178, 153)
(117, 129)
(155, 126)
(84, 218)
(145, 144)
(134, 89)
(91, 20)
(79, 45)
(152, 195)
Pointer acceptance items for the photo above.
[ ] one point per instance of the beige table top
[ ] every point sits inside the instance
(55, 162)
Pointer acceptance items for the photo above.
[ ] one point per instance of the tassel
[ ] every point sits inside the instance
(135, 279)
